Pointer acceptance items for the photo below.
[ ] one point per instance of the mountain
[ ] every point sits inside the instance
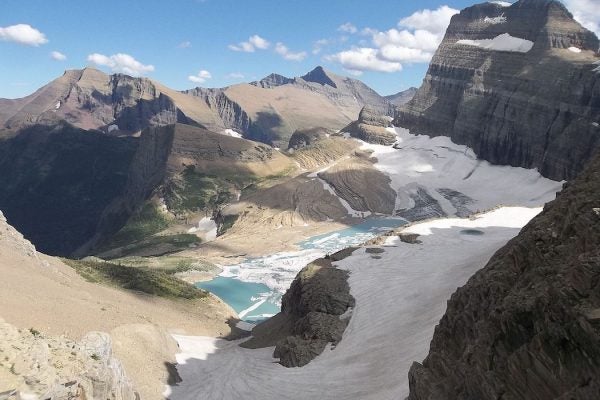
(69, 189)
(402, 97)
(269, 110)
(527, 325)
(519, 84)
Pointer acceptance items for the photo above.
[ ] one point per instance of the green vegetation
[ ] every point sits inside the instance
(168, 264)
(196, 191)
(95, 357)
(145, 222)
(141, 279)
(155, 246)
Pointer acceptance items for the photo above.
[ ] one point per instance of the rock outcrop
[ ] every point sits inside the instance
(307, 137)
(533, 108)
(60, 369)
(371, 127)
(527, 326)
(313, 315)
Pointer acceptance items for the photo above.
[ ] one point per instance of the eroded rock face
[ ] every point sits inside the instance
(371, 127)
(537, 109)
(527, 326)
(313, 315)
(58, 368)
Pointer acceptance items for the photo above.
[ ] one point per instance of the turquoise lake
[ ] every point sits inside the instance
(255, 301)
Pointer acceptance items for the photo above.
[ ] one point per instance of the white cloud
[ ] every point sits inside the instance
(319, 44)
(201, 77)
(58, 56)
(23, 34)
(415, 41)
(184, 45)
(586, 12)
(284, 52)
(434, 21)
(236, 75)
(364, 59)
(348, 27)
(120, 63)
(254, 42)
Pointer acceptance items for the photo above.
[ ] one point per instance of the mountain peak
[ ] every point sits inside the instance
(272, 80)
(321, 76)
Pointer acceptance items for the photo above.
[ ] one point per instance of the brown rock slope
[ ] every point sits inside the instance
(527, 326)
(43, 295)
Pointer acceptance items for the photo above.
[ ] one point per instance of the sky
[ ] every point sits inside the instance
(214, 43)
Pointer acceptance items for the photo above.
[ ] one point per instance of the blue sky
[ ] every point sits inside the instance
(174, 41)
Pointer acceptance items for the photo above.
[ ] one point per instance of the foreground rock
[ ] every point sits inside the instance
(371, 127)
(504, 104)
(58, 368)
(527, 325)
(312, 315)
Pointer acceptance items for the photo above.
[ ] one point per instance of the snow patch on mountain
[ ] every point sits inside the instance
(503, 42)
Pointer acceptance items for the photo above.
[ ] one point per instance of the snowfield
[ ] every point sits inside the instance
(504, 42)
(399, 300)
(450, 180)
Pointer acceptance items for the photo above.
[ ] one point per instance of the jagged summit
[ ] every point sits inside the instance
(321, 76)
(272, 80)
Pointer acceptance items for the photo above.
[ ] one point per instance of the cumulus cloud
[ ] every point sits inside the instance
(254, 42)
(200, 77)
(184, 45)
(414, 41)
(120, 62)
(22, 34)
(284, 52)
(586, 12)
(58, 56)
(364, 59)
(348, 28)
(435, 21)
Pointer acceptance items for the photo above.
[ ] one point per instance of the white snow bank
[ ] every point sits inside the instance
(495, 20)
(232, 133)
(399, 300)
(422, 164)
(206, 226)
(575, 49)
(503, 42)
(502, 3)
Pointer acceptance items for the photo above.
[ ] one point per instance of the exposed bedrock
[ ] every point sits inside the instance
(527, 326)
(371, 127)
(313, 315)
(538, 109)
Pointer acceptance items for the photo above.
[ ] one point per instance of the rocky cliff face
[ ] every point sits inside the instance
(59, 368)
(90, 99)
(537, 106)
(56, 181)
(527, 326)
(313, 314)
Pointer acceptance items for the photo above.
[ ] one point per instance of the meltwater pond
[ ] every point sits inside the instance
(253, 288)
